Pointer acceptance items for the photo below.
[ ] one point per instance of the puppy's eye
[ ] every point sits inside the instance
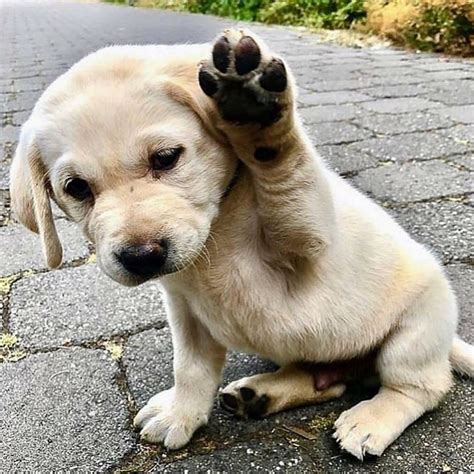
(78, 188)
(165, 159)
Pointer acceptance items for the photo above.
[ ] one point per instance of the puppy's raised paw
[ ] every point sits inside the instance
(248, 83)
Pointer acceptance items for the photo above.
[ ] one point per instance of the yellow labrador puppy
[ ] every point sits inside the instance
(189, 163)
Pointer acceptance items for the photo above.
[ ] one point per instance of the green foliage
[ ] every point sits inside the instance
(435, 25)
(240, 9)
(314, 13)
(442, 28)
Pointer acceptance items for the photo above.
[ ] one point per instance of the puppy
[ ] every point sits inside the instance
(190, 163)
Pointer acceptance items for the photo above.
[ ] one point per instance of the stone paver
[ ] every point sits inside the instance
(345, 158)
(61, 412)
(257, 456)
(21, 249)
(413, 146)
(398, 124)
(79, 305)
(446, 227)
(414, 181)
(461, 113)
(462, 278)
(399, 105)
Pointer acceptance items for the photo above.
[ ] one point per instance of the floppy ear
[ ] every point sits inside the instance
(30, 199)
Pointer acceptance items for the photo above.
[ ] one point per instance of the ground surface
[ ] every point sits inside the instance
(400, 125)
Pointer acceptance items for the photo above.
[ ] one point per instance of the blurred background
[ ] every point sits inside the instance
(427, 25)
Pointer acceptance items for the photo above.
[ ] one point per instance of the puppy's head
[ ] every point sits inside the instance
(124, 145)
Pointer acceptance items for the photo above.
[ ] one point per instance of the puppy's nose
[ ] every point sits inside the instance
(144, 260)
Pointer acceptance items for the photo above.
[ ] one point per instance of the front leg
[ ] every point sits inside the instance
(172, 416)
(254, 93)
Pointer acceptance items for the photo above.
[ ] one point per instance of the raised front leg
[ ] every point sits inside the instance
(255, 95)
(172, 416)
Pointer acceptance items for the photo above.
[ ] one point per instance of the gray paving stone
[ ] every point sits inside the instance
(254, 456)
(21, 249)
(439, 66)
(22, 101)
(391, 91)
(414, 181)
(413, 146)
(459, 95)
(7, 150)
(19, 118)
(327, 98)
(9, 134)
(80, 304)
(328, 113)
(331, 133)
(319, 85)
(62, 412)
(466, 161)
(448, 75)
(462, 279)
(395, 124)
(445, 227)
(462, 114)
(399, 105)
(148, 359)
(28, 84)
(402, 70)
(4, 206)
(460, 133)
(4, 173)
(447, 85)
(345, 158)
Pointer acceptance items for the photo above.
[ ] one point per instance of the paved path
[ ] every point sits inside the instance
(399, 125)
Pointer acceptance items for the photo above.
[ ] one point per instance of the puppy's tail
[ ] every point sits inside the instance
(462, 357)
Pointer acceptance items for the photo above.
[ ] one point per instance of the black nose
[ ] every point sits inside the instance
(144, 260)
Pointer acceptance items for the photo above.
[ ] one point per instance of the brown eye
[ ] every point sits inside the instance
(78, 188)
(165, 159)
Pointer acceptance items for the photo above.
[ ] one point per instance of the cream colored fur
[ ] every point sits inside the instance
(295, 264)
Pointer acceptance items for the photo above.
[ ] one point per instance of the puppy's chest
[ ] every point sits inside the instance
(247, 308)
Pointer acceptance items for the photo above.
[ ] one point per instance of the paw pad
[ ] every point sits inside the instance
(247, 55)
(221, 54)
(246, 83)
(245, 403)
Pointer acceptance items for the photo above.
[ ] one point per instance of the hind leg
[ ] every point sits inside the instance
(265, 394)
(415, 373)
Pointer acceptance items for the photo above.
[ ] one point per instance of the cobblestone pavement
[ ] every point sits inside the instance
(89, 353)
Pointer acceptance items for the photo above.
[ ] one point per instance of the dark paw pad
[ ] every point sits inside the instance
(221, 54)
(242, 106)
(229, 402)
(208, 83)
(274, 77)
(245, 404)
(247, 394)
(247, 55)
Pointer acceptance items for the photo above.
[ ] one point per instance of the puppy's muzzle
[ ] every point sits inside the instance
(145, 260)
